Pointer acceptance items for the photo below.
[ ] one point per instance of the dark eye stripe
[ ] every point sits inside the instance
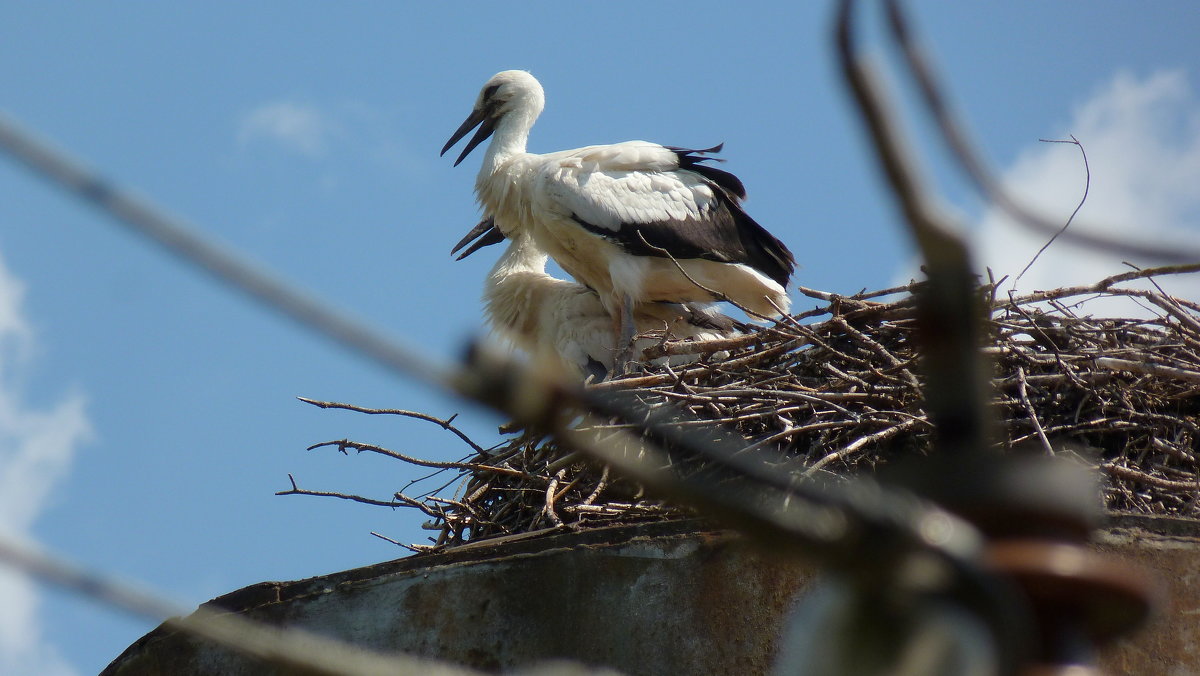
(489, 92)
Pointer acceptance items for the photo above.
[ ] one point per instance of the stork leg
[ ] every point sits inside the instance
(623, 362)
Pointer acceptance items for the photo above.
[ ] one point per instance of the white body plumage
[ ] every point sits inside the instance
(623, 219)
(565, 322)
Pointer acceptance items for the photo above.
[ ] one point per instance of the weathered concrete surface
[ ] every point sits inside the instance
(657, 599)
(1170, 550)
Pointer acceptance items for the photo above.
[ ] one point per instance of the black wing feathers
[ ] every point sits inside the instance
(724, 234)
(690, 159)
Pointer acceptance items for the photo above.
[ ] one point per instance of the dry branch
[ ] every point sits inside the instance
(837, 389)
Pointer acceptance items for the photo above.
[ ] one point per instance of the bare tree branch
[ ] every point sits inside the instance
(343, 444)
(444, 424)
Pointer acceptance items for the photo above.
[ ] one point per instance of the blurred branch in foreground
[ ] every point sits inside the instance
(834, 526)
(970, 160)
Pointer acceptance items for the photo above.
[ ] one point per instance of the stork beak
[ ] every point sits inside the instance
(487, 125)
(487, 234)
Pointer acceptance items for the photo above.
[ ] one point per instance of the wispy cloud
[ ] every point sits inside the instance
(37, 446)
(1142, 137)
(348, 131)
(295, 127)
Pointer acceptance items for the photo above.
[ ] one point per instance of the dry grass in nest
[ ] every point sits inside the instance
(835, 390)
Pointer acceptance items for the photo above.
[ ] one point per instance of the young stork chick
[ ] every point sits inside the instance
(623, 219)
(565, 322)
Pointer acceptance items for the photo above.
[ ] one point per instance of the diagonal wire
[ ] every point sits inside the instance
(861, 529)
(296, 649)
(970, 160)
(504, 384)
(179, 238)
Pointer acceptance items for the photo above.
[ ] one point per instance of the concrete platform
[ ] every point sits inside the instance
(668, 598)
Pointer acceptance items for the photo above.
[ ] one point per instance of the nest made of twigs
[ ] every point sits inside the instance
(836, 390)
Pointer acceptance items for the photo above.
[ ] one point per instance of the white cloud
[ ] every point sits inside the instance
(1142, 138)
(36, 449)
(297, 128)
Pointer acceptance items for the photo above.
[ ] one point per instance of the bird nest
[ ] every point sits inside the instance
(836, 390)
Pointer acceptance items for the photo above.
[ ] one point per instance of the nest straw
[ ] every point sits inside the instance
(837, 390)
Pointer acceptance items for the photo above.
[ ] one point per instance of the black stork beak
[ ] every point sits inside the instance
(487, 234)
(487, 124)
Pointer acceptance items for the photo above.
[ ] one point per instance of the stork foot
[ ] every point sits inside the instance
(623, 363)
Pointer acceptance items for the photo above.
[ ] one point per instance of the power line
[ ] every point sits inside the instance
(286, 647)
(180, 239)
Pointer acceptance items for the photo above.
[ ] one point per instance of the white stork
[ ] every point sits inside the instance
(623, 219)
(564, 322)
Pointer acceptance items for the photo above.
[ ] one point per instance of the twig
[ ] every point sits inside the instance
(717, 295)
(417, 549)
(1087, 184)
(975, 168)
(1105, 284)
(551, 495)
(343, 444)
(680, 347)
(1148, 368)
(443, 423)
(1141, 477)
(1033, 418)
(296, 490)
(881, 435)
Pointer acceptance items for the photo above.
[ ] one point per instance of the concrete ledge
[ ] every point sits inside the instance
(667, 598)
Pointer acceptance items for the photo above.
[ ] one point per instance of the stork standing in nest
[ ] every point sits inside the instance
(564, 323)
(636, 221)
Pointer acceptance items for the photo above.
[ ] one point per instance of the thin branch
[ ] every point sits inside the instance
(875, 437)
(1131, 474)
(551, 496)
(444, 424)
(680, 347)
(1022, 389)
(1087, 184)
(1147, 368)
(296, 490)
(343, 444)
(717, 295)
(954, 134)
(416, 549)
(1105, 284)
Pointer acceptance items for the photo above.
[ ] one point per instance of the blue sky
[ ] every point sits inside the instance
(147, 416)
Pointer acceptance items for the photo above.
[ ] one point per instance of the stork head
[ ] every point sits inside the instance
(510, 94)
